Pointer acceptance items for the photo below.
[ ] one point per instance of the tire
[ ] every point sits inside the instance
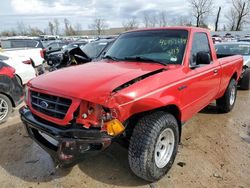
(245, 80)
(143, 148)
(5, 108)
(226, 102)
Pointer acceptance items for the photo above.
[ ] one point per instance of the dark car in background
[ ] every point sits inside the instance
(237, 48)
(82, 54)
(76, 44)
(244, 40)
(56, 56)
(55, 46)
(11, 91)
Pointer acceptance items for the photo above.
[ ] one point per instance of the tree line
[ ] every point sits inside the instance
(237, 17)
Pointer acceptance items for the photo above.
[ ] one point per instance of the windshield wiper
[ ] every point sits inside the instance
(111, 57)
(143, 59)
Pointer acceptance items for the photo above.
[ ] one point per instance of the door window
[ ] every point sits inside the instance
(200, 44)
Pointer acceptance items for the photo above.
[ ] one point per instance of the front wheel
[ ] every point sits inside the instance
(153, 145)
(226, 102)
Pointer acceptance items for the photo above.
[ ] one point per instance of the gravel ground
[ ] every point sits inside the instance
(214, 152)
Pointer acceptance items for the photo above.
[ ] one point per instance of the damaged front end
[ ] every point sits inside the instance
(92, 128)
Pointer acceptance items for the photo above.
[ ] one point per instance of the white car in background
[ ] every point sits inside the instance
(26, 47)
(23, 66)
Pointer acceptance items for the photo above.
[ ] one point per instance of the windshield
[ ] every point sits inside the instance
(93, 49)
(231, 49)
(165, 46)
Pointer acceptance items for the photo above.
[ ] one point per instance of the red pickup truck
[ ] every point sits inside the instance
(148, 84)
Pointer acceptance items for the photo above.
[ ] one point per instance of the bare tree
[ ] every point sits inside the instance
(130, 24)
(153, 21)
(224, 27)
(163, 19)
(34, 31)
(201, 9)
(242, 9)
(232, 19)
(51, 28)
(217, 19)
(146, 19)
(56, 26)
(8, 33)
(99, 25)
(150, 20)
(71, 31)
(181, 21)
(21, 28)
(78, 28)
(66, 26)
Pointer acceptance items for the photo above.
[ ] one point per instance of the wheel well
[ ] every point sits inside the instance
(11, 100)
(175, 111)
(235, 76)
(172, 109)
(20, 79)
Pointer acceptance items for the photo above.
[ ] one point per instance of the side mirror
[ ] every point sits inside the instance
(203, 58)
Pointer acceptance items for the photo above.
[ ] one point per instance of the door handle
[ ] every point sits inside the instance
(215, 71)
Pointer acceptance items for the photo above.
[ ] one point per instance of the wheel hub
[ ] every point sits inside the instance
(164, 148)
(232, 95)
(3, 109)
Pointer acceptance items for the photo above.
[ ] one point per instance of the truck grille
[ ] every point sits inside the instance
(50, 105)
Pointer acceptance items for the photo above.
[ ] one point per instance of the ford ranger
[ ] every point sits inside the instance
(149, 83)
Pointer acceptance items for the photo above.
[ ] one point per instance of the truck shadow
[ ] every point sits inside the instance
(111, 167)
(210, 109)
(22, 158)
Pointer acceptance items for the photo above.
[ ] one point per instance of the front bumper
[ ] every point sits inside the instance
(66, 146)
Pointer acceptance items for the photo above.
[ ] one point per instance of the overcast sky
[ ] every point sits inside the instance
(37, 13)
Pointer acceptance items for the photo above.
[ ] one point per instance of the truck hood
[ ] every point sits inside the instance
(93, 82)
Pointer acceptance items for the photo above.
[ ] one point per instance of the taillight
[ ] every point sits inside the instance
(42, 53)
(7, 70)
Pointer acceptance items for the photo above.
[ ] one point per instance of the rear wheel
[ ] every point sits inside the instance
(153, 146)
(226, 102)
(245, 81)
(5, 108)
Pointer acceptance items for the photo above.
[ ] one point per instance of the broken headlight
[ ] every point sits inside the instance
(99, 116)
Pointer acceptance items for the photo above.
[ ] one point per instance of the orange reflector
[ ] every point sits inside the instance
(114, 127)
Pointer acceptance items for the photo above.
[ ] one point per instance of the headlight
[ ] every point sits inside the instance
(97, 112)
(95, 115)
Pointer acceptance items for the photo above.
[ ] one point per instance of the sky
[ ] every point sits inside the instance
(37, 13)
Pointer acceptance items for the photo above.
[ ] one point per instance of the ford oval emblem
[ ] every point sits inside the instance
(44, 104)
